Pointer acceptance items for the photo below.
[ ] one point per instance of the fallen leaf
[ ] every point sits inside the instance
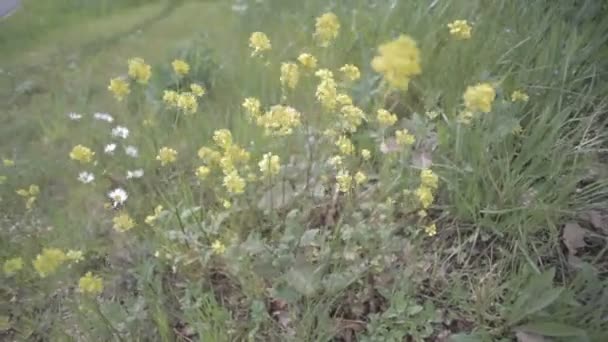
(574, 237)
(599, 221)
(523, 336)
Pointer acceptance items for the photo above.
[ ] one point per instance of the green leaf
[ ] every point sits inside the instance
(308, 237)
(303, 279)
(552, 329)
(537, 295)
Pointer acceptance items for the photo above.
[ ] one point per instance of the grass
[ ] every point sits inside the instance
(304, 261)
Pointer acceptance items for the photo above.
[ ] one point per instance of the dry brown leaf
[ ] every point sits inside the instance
(574, 237)
(598, 220)
(523, 336)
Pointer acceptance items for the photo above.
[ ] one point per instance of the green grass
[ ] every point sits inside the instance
(313, 266)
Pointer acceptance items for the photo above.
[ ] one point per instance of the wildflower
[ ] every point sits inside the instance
(519, 95)
(289, 75)
(404, 138)
(197, 90)
(234, 183)
(226, 204)
(109, 148)
(166, 156)
(386, 118)
(353, 117)
(327, 28)
(139, 70)
(180, 67)
(308, 61)
(270, 165)
(33, 190)
(351, 72)
(202, 172)
(48, 261)
(479, 98)
(422, 214)
(259, 42)
(74, 116)
(151, 219)
(119, 87)
(209, 156)
(86, 177)
(431, 230)
(398, 61)
(74, 256)
(135, 173)
(123, 222)
(252, 107)
(187, 103)
(460, 29)
(344, 181)
(90, 284)
(326, 92)
(222, 138)
(344, 100)
(103, 117)
(366, 154)
(425, 196)
(82, 154)
(345, 145)
(132, 151)
(429, 179)
(335, 161)
(360, 178)
(120, 132)
(218, 247)
(465, 117)
(12, 266)
(170, 97)
(8, 162)
(118, 196)
(279, 120)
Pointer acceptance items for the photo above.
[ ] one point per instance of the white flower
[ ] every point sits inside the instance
(109, 149)
(74, 116)
(86, 177)
(120, 131)
(103, 116)
(118, 195)
(135, 173)
(131, 151)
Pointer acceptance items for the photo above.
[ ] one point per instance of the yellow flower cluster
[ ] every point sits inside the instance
(366, 154)
(404, 138)
(289, 75)
(202, 172)
(90, 284)
(119, 87)
(429, 183)
(350, 72)
(48, 261)
(253, 108)
(345, 146)
(327, 90)
(344, 180)
(30, 195)
(308, 61)
(519, 95)
(398, 62)
(460, 29)
(12, 266)
(139, 70)
(185, 101)
(386, 118)
(180, 67)
(259, 42)
(360, 177)
(431, 229)
(270, 165)
(352, 117)
(197, 90)
(218, 247)
(479, 98)
(327, 28)
(166, 156)
(123, 222)
(82, 154)
(279, 120)
(234, 183)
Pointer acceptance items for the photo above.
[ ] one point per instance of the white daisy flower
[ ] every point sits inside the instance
(103, 116)
(86, 177)
(120, 132)
(135, 173)
(74, 116)
(118, 195)
(109, 149)
(132, 151)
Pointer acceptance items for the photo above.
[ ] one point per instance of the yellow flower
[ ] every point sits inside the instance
(48, 261)
(479, 98)
(222, 138)
(34, 190)
(432, 114)
(366, 154)
(425, 196)
(74, 256)
(202, 172)
(187, 103)
(151, 219)
(308, 61)
(139, 70)
(344, 100)
(279, 120)
(234, 183)
(180, 67)
(119, 87)
(360, 178)
(8, 162)
(345, 145)
(166, 156)
(218, 247)
(327, 91)
(252, 107)
(422, 214)
(345, 181)
(429, 179)
(12, 266)
(289, 75)
(353, 117)
(270, 165)
(210, 156)
(386, 118)
(404, 138)
(170, 97)
(431, 230)
(335, 161)
(197, 90)
(351, 72)
(226, 204)
(82, 154)
(259, 42)
(327, 28)
(519, 95)
(460, 29)
(123, 222)
(398, 61)
(90, 284)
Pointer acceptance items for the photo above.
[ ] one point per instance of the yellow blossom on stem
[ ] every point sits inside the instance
(90, 284)
(366, 154)
(360, 177)
(398, 62)
(404, 138)
(460, 29)
(12, 266)
(234, 183)
(209, 155)
(327, 27)
(197, 89)
(253, 108)
(479, 98)
(386, 118)
(344, 100)
(350, 72)
(166, 156)
(74, 256)
(279, 120)
(352, 117)
(308, 61)
(431, 230)
(270, 165)
(429, 179)
(123, 222)
(345, 181)
(218, 247)
(47, 262)
(425, 196)
(139, 70)
(119, 87)
(202, 172)
(289, 75)
(187, 103)
(345, 145)
(82, 154)
(259, 42)
(180, 67)
(327, 90)
(222, 138)
(170, 97)
(519, 95)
